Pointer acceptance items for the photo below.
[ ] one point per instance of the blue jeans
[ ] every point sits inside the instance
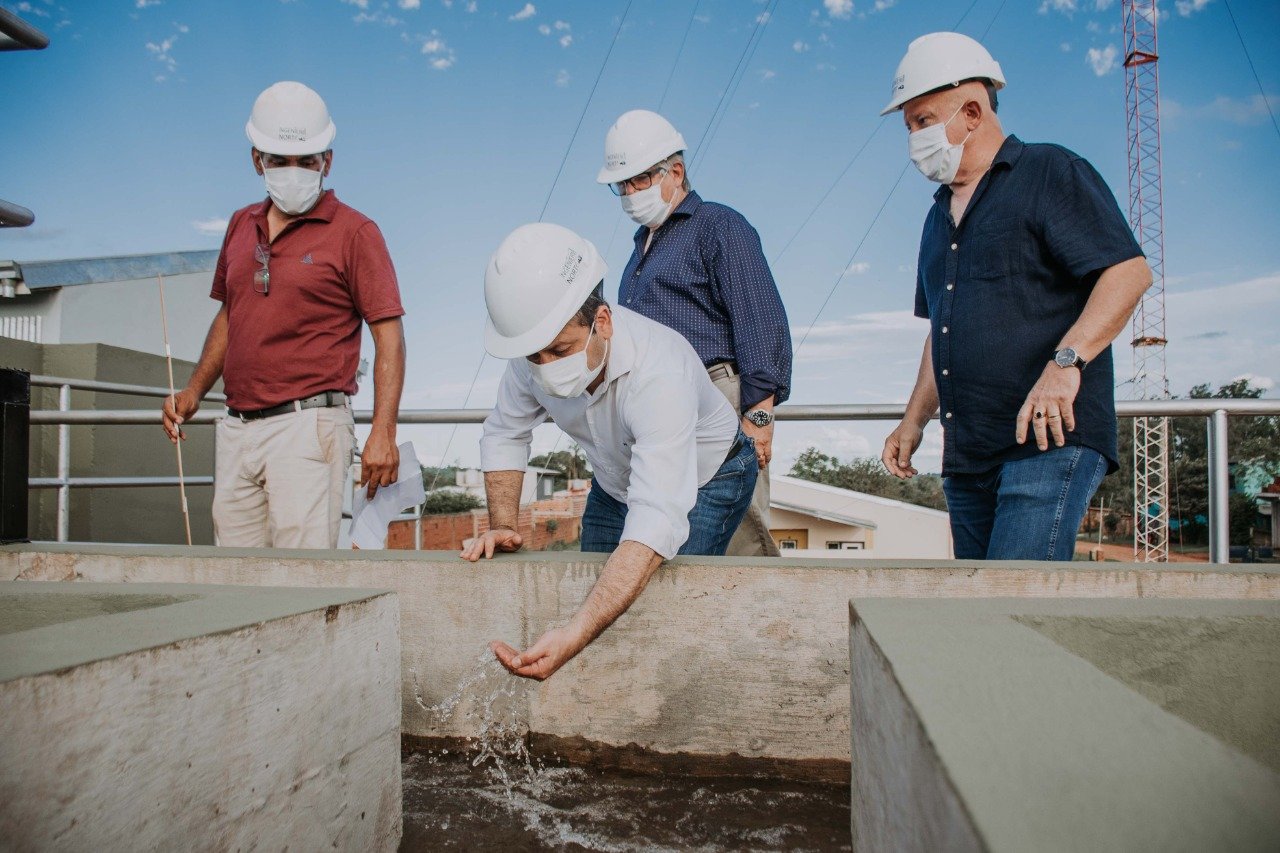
(720, 506)
(1029, 509)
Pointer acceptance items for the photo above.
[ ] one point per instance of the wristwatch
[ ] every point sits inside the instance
(759, 417)
(1066, 357)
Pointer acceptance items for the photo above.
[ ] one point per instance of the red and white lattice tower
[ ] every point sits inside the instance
(1146, 217)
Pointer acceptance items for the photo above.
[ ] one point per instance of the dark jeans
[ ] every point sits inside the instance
(1029, 509)
(715, 516)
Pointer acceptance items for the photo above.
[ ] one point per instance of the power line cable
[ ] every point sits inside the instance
(583, 115)
(992, 22)
(965, 15)
(1249, 59)
(693, 16)
(761, 20)
(845, 269)
(547, 201)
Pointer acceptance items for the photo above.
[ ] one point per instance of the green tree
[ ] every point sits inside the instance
(571, 464)
(1253, 447)
(443, 503)
(869, 476)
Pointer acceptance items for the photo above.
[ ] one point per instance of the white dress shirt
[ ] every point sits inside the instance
(655, 430)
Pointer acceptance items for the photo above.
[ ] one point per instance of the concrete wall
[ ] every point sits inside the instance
(145, 515)
(718, 656)
(1012, 725)
(205, 718)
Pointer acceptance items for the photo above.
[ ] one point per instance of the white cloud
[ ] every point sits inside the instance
(472, 5)
(545, 29)
(1065, 47)
(1093, 27)
(524, 14)
(27, 8)
(442, 56)
(359, 4)
(1208, 341)
(1103, 61)
(562, 78)
(839, 8)
(767, 74)
(378, 16)
(800, 46)
(562, 25)
(214, 227)
(1066, 7)
(824, 66)
(858, 268)
(762, 18)
(1187, 8)
(566, 40)
(414, 4)
(142, 4)
(161, 52)
(1224, 108)
(881, 5)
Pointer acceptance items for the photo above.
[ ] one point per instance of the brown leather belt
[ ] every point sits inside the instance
(323, 400)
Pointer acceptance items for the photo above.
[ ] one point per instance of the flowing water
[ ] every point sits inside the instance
(495, 795)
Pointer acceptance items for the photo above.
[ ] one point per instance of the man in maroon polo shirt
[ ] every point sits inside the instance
(297, 275)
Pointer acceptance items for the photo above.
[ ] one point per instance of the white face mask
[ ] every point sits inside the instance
(934, 155)
(568, 377)
(293, 189)
(646, 207)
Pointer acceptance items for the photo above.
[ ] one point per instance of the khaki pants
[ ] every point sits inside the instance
(280, 481)
(752, 538)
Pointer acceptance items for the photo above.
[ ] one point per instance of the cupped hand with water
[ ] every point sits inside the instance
(553, 650)
(492, 541)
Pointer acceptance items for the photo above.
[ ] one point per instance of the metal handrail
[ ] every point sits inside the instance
(1216, 410)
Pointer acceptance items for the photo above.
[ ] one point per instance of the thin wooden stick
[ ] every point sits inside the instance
(182, 483)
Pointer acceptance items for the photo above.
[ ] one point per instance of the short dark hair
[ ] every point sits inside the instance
(991, 95)
(587, 313)
(986, 84)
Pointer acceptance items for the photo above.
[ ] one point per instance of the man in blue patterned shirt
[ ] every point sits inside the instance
(698, 268)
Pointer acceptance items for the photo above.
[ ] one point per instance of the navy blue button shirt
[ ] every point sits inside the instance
(1001, 291)
(706, 277)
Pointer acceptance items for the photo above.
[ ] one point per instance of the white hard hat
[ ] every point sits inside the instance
(290, 119)
(937, 60)
(637, 140)
(534, 284)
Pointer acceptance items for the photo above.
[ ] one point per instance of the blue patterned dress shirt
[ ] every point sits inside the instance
(705, 276)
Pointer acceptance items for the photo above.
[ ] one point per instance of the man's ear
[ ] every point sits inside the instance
(256, 157)
(604, 322)
(328, 162)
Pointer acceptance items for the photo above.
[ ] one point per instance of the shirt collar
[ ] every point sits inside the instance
(686, 208)
(1008, 155)
(323, 211)
(622, 350)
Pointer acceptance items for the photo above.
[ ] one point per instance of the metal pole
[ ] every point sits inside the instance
(1219, 522)
(64, 466)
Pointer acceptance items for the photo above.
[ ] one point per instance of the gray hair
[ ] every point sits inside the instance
(678, 157)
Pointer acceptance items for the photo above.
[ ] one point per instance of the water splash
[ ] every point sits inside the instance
(496, 711)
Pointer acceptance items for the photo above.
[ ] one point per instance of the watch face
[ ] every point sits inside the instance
(759, 418)
(1065, 357)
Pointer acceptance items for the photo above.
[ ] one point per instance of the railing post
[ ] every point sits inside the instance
(15, 450)
(1219, 486)
(64, 466)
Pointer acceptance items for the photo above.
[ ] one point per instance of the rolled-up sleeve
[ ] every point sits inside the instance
(508, 431)
(1083, 226)
(663, 415)
(761, 335)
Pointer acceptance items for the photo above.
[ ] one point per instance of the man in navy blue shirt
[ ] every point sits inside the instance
(699, 269)
(1027, 272)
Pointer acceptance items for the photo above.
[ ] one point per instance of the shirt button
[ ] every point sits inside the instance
(944, 330)
(955, 246)
(951, 287)
(946, 372)
(948, 416)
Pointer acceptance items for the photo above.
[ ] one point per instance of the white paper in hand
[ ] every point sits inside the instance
(369, 518)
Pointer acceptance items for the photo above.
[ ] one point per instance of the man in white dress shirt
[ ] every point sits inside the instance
(674, 473)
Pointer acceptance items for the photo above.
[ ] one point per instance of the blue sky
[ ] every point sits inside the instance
(453, 117)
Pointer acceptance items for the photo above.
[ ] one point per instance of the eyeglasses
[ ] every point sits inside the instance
(262, 276)
(642, 181)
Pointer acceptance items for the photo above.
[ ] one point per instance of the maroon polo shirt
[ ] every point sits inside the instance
(329, 271)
